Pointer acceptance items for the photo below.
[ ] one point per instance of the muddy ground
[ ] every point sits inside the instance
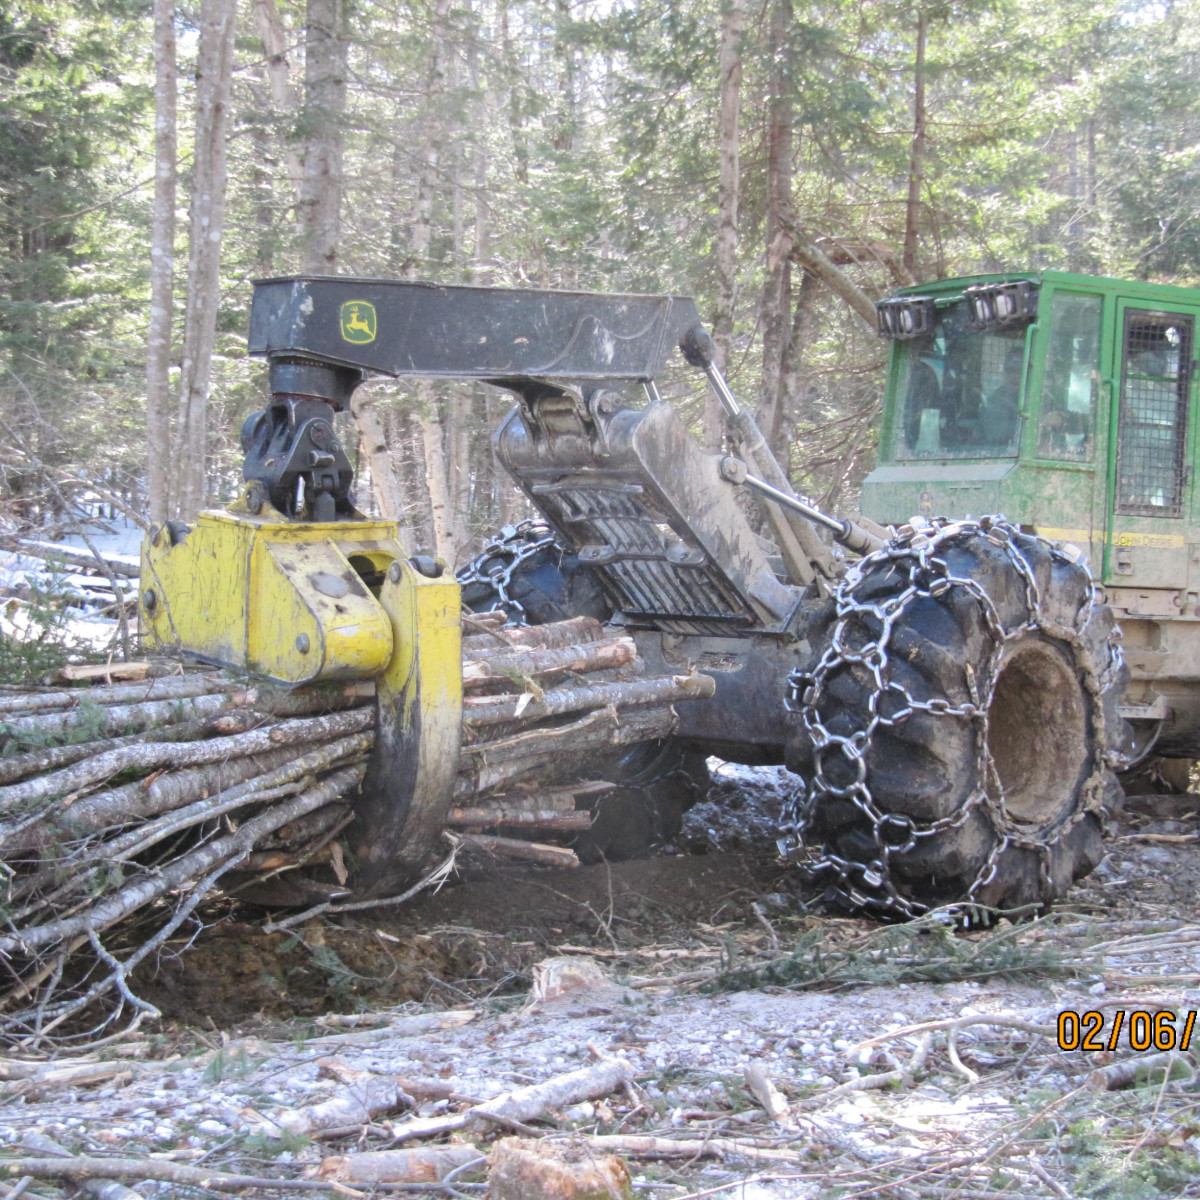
(696, 965)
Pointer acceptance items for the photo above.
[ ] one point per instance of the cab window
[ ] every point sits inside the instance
(1071, 382)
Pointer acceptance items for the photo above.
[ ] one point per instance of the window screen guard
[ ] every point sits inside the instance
(1156, 375)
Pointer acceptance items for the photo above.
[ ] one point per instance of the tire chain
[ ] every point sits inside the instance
(499, 560)
(917, 547)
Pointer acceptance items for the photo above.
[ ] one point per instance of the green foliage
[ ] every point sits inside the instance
(927, 950)
(225, 1065)
(37, 641)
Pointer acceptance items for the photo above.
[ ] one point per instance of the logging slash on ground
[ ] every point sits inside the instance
(127, 808)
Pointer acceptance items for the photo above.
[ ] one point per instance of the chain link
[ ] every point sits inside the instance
(918, 557)
(497, 564)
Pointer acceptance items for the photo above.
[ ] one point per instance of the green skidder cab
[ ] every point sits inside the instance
(1067, 403)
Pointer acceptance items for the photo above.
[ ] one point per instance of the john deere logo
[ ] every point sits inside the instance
(358, 322)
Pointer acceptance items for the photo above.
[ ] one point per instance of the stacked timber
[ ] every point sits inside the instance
(127, 808)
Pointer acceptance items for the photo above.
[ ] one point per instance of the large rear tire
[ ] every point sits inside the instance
(960, 730)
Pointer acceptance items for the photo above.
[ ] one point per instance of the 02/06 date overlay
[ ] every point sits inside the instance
(1142, 1029)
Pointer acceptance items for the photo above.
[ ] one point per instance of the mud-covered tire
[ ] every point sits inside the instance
(658, 783)
(534, 580)
(959, 731)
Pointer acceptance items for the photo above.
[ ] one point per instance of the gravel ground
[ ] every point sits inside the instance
(664, 963)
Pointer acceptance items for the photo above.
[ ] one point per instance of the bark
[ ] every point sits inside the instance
(814, 259)
(367, 1096)
(146, 758)
(657, 1147)
(55, 757)
(172, 688)
(217, 854)
(780, 223)
(84, 1167)
(162, 266)
(433, 131)
(117, 719)
(441, 511)
(916, 158)
(38, 1143)
(324, 109)
(136, 801)
(664, 690)
(1143, 1068)
(85, 672)
(427, 1164)
(762, 1088)
(549, 751)
(547, 820)
(548, 856)
(529, 1103)
(283, 100)
(571, 632)
(81, 558)
(385, 484)
(733, 24)
(214, 77)
(505, 668)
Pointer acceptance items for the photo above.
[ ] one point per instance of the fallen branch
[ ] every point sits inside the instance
(526, 1104)
(225, 850)
(550, 856)
(657, 1147)
(137, 1169)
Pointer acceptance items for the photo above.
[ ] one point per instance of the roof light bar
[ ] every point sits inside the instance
(904, 317)
(1002, 304)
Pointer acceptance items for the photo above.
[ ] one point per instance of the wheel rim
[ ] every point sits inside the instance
(1037, 734)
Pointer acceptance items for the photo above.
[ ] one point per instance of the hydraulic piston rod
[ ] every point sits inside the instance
(698, 348)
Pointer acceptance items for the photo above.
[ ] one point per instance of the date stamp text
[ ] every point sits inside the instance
(1142, 1029)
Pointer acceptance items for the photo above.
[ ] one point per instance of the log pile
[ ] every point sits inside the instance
(125, 807)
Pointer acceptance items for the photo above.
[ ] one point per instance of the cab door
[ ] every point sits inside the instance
(1150, 477)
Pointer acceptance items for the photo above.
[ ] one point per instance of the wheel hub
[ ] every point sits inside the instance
(1037, 733)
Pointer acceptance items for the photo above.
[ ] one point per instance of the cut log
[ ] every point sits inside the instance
(426, 1165)
(491, 710)
(53, 551)
(527, 1169)
(142, 757)
(172, 688)
(509, 669)
(550, 856)
(490, 817)
(576, 631)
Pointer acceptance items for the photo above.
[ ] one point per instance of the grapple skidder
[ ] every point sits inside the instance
(901, 673)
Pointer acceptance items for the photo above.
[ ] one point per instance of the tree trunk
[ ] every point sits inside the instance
(162, 265)
(374, 442)
(916, 162)
(214, 78)
(325, 106)
(283, 100)
(733, 25)
(776, 299)
(440, 504)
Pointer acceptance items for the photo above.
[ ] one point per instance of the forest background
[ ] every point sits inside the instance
(785, 163)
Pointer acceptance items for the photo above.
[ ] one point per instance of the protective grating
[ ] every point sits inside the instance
(646, 581)
(1152, 436)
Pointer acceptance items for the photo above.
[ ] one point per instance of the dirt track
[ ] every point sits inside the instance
(998, 1111)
